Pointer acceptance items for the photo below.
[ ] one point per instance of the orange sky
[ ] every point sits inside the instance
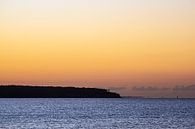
(99, 43)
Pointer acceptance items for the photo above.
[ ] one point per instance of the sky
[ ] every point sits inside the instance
(114, 44)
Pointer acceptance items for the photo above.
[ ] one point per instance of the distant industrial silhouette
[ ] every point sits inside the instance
(17, 91)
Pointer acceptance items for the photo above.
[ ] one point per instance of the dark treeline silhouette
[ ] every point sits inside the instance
(16, 91)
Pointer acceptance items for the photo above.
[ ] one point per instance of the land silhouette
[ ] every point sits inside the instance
(21, 91)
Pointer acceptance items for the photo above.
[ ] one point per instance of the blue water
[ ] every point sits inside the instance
(97, 113)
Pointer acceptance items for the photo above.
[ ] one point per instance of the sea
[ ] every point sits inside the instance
(85, 113)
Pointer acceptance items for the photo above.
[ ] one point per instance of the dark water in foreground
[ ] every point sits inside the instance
(97, 113)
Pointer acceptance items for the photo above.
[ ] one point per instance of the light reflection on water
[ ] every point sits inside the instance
(97, 113)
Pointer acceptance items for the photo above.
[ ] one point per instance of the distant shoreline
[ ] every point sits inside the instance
(135, 97)
(22, 91)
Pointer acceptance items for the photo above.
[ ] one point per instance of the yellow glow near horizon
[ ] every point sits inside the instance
(97, 43)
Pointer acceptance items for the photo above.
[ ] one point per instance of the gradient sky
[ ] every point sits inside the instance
(98, 43)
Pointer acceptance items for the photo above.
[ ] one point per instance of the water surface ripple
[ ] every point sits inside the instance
(97, 113)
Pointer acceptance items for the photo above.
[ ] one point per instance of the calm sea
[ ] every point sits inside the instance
(97, 113)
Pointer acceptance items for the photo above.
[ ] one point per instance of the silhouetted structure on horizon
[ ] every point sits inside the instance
(16, 91)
